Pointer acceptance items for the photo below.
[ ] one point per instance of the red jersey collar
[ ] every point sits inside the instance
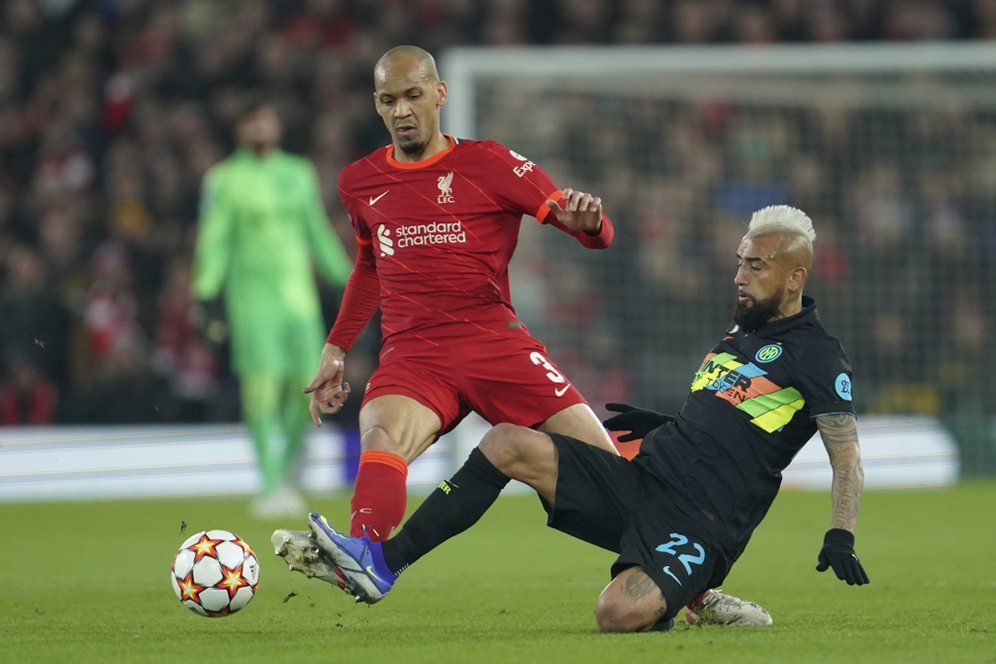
(389, 153)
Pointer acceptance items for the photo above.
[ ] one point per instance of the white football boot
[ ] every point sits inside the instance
(717, 608)
(300, 551)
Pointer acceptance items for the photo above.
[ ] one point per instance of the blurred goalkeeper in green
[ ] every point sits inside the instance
(262, 228)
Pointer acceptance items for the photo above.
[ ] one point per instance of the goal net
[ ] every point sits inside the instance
(890, 149)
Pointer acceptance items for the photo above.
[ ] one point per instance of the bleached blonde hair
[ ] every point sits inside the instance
(782, 218)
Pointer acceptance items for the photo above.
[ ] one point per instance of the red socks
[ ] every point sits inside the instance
(379, 495)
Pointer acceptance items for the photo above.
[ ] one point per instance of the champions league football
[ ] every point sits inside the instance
(214, 573)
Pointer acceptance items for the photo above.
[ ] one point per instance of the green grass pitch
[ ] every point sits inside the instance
(87, 582)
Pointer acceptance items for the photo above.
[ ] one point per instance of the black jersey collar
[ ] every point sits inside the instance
(781, 325)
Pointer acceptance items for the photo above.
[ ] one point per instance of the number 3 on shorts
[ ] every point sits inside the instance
(551, 371)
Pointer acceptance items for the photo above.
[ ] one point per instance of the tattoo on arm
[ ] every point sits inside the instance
(840, 437)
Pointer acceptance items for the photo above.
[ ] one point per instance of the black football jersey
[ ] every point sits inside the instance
(751, 409)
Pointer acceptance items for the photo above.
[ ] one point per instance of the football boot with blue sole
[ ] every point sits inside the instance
(359, 559)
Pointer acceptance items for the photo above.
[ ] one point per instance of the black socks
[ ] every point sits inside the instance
(455, 505)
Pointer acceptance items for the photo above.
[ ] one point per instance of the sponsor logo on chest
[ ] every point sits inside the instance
(436, 233)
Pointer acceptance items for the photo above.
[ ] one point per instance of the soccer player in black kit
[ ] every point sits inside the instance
(682, 511)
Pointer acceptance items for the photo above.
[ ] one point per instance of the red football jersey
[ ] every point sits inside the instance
(439, 235)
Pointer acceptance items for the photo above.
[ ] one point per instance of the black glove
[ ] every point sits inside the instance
(209, 317)
(838, 552)
(637, 421)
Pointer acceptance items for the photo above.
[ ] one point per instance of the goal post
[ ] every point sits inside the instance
(551, 68)
(890, 148)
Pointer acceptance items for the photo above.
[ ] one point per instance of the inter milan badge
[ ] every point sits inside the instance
(768, 353)
(843, 387)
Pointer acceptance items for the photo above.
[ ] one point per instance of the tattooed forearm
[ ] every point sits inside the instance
(845, 497)
(840, 437)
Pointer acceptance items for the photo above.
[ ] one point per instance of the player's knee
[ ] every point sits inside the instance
(629, 603)
(377, 439)
(505, 446)
(617, 615)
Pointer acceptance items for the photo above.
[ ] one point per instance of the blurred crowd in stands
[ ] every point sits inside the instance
(904, 203)
(112, 110)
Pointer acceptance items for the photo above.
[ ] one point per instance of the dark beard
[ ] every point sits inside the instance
(416, 147)
(750, 318)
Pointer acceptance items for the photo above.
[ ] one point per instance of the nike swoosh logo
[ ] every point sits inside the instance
(374, 199)
(560, 392)
(371, 572)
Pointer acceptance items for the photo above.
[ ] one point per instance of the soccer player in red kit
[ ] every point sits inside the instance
(437, 220)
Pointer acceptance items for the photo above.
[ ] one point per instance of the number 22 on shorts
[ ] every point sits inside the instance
(686, 559)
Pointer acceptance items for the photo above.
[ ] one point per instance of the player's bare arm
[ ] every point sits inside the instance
(581, 212)
(840, 437)
(328, 391)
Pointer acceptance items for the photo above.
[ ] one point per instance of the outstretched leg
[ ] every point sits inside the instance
(369, 568)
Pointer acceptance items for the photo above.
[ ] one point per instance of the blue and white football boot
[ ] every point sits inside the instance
(359, 560)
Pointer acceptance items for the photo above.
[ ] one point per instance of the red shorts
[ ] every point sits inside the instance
(504, 375)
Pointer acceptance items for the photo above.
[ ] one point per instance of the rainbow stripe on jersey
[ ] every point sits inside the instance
(747, 388)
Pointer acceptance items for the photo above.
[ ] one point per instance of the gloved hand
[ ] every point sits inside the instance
(838, 552)
(637, 421)
(209, 317)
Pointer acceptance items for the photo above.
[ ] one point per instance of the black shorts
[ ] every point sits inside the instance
(617, 505)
